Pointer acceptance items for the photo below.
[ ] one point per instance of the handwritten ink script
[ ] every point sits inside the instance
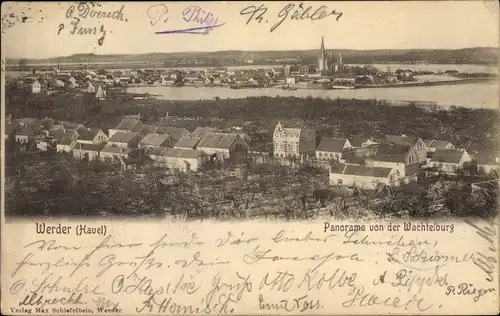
(89, 19)
(218, 268)
(194, 18)
(292, 12)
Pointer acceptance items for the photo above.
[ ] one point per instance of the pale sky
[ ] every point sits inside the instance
(363, 25)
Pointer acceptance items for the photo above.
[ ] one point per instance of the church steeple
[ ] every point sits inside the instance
(322, 58)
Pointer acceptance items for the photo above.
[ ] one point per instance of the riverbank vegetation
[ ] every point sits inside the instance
(473, 129)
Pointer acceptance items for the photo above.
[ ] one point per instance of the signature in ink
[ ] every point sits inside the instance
(156, 13)
(290, 11)
(202, 22)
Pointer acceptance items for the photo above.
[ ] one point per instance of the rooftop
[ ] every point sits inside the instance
(217, 140)
(188, 141)
(181, 153)
(359, 170)
(129, 125)
(154, 139)
(392, 152)
(332, 144)
(87, 133)
(122, 137)
(447, 155)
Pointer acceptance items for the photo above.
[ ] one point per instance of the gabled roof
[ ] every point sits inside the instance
(181, 153)
(359, 170)
(447, 155)
(188, 141)
(59, 134)
(439, 144)
(154, 139)
(401, 140)
(175, 132)
(133, 125)
(487, 157)
(358, 140)
(334, 145)
(29, 121)
(337, 167)
(115, 150)
(122, 137)
(148, 129)
(24, 131)
(202, 131)
(156, 151)
(69, 125)
(88, 133)
(67, 141)
(217, 140)
(392, 152)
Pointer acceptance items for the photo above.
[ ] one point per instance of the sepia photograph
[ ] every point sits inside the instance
(250, 158)
(355, 121)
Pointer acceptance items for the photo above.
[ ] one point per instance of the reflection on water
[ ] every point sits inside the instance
(472, 95)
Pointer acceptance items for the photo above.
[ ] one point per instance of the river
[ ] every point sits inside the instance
(471, 95)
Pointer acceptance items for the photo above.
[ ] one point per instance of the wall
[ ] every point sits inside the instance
(385, 164)
(360, 181)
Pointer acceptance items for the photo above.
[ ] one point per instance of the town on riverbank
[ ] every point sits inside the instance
(329, 72)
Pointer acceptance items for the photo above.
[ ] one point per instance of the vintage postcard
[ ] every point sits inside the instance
(250, 158)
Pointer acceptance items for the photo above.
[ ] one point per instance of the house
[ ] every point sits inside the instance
(417, 146)
(59, 135)
(36, 87)
(66, 145)
(449, 160)
(187, 142)
(361, 176)
(24, 134)
(224, 146)
(126, 125)
(148, 129)
(175, 132)
(113, 154)
(91, 136)
(29, 121)
(124, 139)
(359, 142)
(488, 162)
(72, 126)
(10, 129)
(202, 131)
(294, 142)
(434, 144)
(87, 151)
(181, 159)
(42, 143)
(332, 148)
(399, 157)
(156, 140)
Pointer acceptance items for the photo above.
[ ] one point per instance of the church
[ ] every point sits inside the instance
(327, 65)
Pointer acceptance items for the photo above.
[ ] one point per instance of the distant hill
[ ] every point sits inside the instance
(476, 55)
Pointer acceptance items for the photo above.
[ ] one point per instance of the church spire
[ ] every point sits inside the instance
(322, 44)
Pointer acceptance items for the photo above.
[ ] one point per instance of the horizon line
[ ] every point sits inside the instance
(254, 51)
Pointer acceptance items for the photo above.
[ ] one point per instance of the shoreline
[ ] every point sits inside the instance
(428, 84)
(355, 87)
